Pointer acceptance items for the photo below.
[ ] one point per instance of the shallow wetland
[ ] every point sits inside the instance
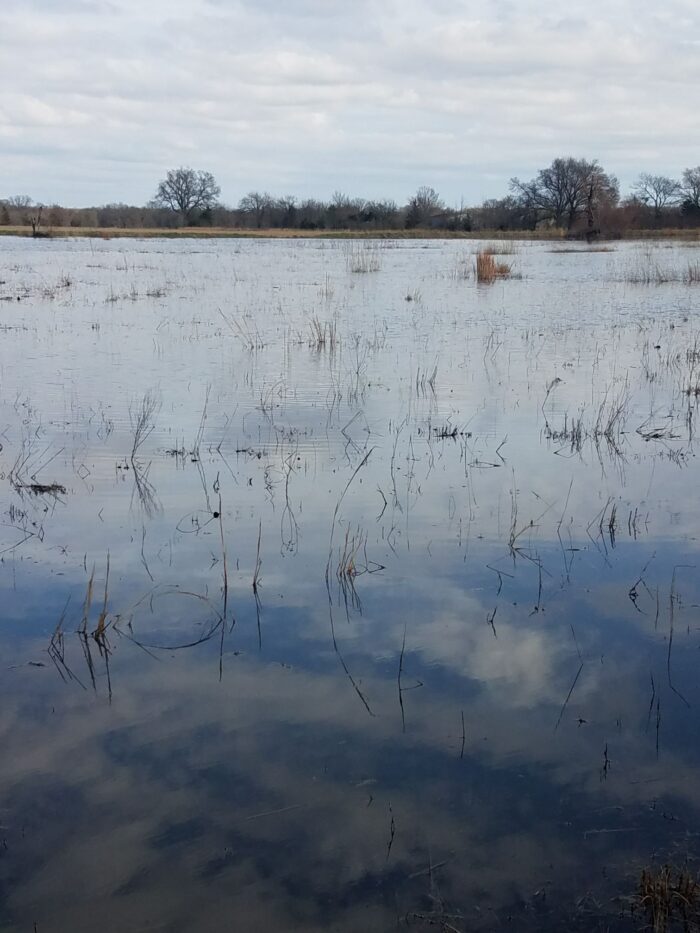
(343, 591)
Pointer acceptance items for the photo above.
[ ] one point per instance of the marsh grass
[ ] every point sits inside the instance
(363, 258)
(670, 898)
(463, 267)
(323, 334)
(583, 249)
(488, 269)
(248, 335)
(647, 270)
(693, 273)
(501, 248)
(208, 233)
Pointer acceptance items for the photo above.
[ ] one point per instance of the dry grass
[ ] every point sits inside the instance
(363, 258)
(646, 270)
(109, 233)
(501, 248)
(689, 237)
(323, 334)
(665, 233)
(670, 899)
(584, 249)
(488, 269)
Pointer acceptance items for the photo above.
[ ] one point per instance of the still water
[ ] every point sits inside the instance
(341, 592)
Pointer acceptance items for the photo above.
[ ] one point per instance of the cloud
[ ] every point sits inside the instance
(370, 97)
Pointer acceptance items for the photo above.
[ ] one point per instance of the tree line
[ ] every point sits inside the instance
(576, 195)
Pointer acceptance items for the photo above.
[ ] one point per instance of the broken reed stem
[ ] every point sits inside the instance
(403, 649)
(223, 553)
(87, 602)
(99, 631)
(258, 562)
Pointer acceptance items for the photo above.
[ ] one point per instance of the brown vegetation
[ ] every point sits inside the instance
(670, 899)
(488, 269)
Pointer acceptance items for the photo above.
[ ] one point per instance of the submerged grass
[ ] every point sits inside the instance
(322, 334)
(363, 257)
(647, 270)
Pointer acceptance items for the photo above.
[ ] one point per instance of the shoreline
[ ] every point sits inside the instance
(210, 233)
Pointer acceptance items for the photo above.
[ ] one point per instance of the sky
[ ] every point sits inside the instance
(369, 97)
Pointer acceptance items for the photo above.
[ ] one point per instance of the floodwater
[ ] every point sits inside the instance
(341, 592)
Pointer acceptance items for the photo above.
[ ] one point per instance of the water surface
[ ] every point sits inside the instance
(341, 592)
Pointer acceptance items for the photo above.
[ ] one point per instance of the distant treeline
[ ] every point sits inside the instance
(575, 195)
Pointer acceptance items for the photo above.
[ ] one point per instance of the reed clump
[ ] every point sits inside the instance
(363, 258)
(670, 899)
(646, 270)
(488, 268)
(502, 248)
(323, 334)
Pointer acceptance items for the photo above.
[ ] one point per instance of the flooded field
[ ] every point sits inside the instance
(342, 591)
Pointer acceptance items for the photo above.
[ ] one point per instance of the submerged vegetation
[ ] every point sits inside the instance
(650, 267)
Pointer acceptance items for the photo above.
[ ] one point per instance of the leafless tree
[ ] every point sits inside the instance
(381, 213)
(690, 186)
(256, 204)
(425, 202)
(287, 207)
(657, 191)
(566, 190)
(344, 211)
(21, 201)
(184, 190)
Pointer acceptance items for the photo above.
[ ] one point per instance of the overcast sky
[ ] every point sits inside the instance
(98, 98)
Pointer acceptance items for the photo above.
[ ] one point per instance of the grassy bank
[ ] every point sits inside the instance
(108, 233)
(207, 233)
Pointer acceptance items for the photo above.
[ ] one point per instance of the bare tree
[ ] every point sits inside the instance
(690, 187)
(425, 202)
(597, 189)
(256, 204)
(657, 191)
(287, 206)
(186, 191)
(530, 202)
(507, 213)
(382, 213)
(546, 195)
(566, 190)
(344, 211)
(21, 201)
(311, 214)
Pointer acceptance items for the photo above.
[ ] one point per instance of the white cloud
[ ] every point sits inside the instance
(311, 96)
